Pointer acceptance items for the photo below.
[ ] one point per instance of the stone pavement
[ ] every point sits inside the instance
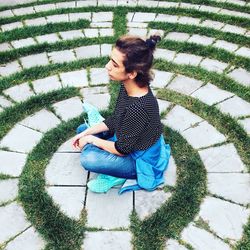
(225, 207)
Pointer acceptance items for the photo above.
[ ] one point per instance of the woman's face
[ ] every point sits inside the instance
(115, 67)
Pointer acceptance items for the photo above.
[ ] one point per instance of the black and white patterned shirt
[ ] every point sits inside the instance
(135, 121)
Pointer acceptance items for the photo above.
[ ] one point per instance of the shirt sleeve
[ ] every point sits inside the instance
(133, 124)
(110, 123)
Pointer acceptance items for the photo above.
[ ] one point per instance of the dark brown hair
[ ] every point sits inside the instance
(138, 56)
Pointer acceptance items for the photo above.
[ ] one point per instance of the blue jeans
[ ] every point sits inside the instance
(97, 160)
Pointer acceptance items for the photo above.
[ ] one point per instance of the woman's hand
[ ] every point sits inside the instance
(76, 140)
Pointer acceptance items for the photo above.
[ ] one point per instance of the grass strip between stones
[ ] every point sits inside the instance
(180, 209)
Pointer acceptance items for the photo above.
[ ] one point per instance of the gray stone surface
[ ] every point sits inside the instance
(231, 47)
(8, 190)
(108, 240)
(86, 3)
(243, 51)
(71, 34)
(183, 58)
(87, 51)
(23, 11)
(230, 185)
(15, 138)
(180, 119)
(141, 17)
(203, 40)
(221, 159)
(106, 49)
(246, 124)
(138, 32)
(161, 79)
(210, 94)
(58, 18)
(98, 76)
(10, 68)
(184, 85)
(11, 26)
(137, 25)
(189, 6)
(4, 102)
(6, 13)
(201, 239)
(65, 169)
(90, 33)
(36, 21)
(177, 36)
(101, 25)
(23, 43)
(174, 245)
(50, 38)
(45, 7)
(170, 174)
(76, 78)
(61, 56)
(114, 211)
(106, 32)
(224, 218)
(213, 65)
(20, 92)
(164, 54)
(146, 203)
(168, 4)
(131, 3)
(68, 109)
(241, 76)
(34, 60)
(102, 17)
(209, 9)
(28, 240)
(147, 3)
(212, 24)
(12, 163)
(101, 101)
(69, 199)
(12, 221)
(235, 106)
(203, 135)
(42, 120)
(163, 105)
(66, 147)
(74, 17)
(66, 5)
(189, 20)
(5, 47)
(233, 29)
(46, 84)
(166, 18)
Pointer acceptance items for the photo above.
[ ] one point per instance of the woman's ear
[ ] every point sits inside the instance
(132, 75)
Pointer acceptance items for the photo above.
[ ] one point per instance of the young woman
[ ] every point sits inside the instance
(135, 147)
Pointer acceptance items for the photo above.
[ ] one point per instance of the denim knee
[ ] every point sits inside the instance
(81, 128)
(88, 159)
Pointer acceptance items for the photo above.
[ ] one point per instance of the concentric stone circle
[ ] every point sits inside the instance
(66, 76)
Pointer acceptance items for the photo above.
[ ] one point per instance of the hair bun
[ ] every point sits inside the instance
(152, 41)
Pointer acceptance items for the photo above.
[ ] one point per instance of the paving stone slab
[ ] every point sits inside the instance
(68, 109)
(112, 3)
(221, 159)
(212, 24)
(188, 20)
(5, 103)
(213, 65)
(130, 3)
(108, 240)
(71, 34)
(203, 135)
(61, 56)
(101, 104)
(86, 3)
(12, 26)
(210, 94)
(46, 84)
(233, 29)
(102, 17)
(148, 3)
(98, 76)
(163, 105)
(209, 9)
(161, 78)
(168, 5)
(69, 199)
(5, 47)
(34, 60)
(36, 21)
(141, 17)
(90, 51)
(10, 68)
(58, 18)
(243, 51)
(246, 124)
(12, 221)
(200, 239)
(66, 147)
(164, 54)
(106, 49)
(94, 90)
(6, 13)
(20, 92)
(8, 190)
(203, 40)
(146, 203)
(177, 36)
(221, 44)
(184, 85)
(42, 120)
(90, 33)
(166, 18)
(234, 13)
(189, 6)
(12, 163)
(74, 17)
(50, 38)
(180, 118)
(183, 58)
(235, 106)
(66, 5)
(23, 43)
(138, 31)
(101, 25)
(76, 78)
(231, 186)
(241, 76)
(45, 7)
(224, 218)
(15, 138)
(174, 245)
(65, 169)
(113, 213)
(24, 11)
(170, 175)
(28, 240)
(106, 32)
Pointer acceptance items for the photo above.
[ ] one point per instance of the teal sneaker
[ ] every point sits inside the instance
(103, 183)
(94, 117)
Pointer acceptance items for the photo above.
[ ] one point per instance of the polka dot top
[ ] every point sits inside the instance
(135, 121)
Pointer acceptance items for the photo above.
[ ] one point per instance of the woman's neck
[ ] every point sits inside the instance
(133, 89)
